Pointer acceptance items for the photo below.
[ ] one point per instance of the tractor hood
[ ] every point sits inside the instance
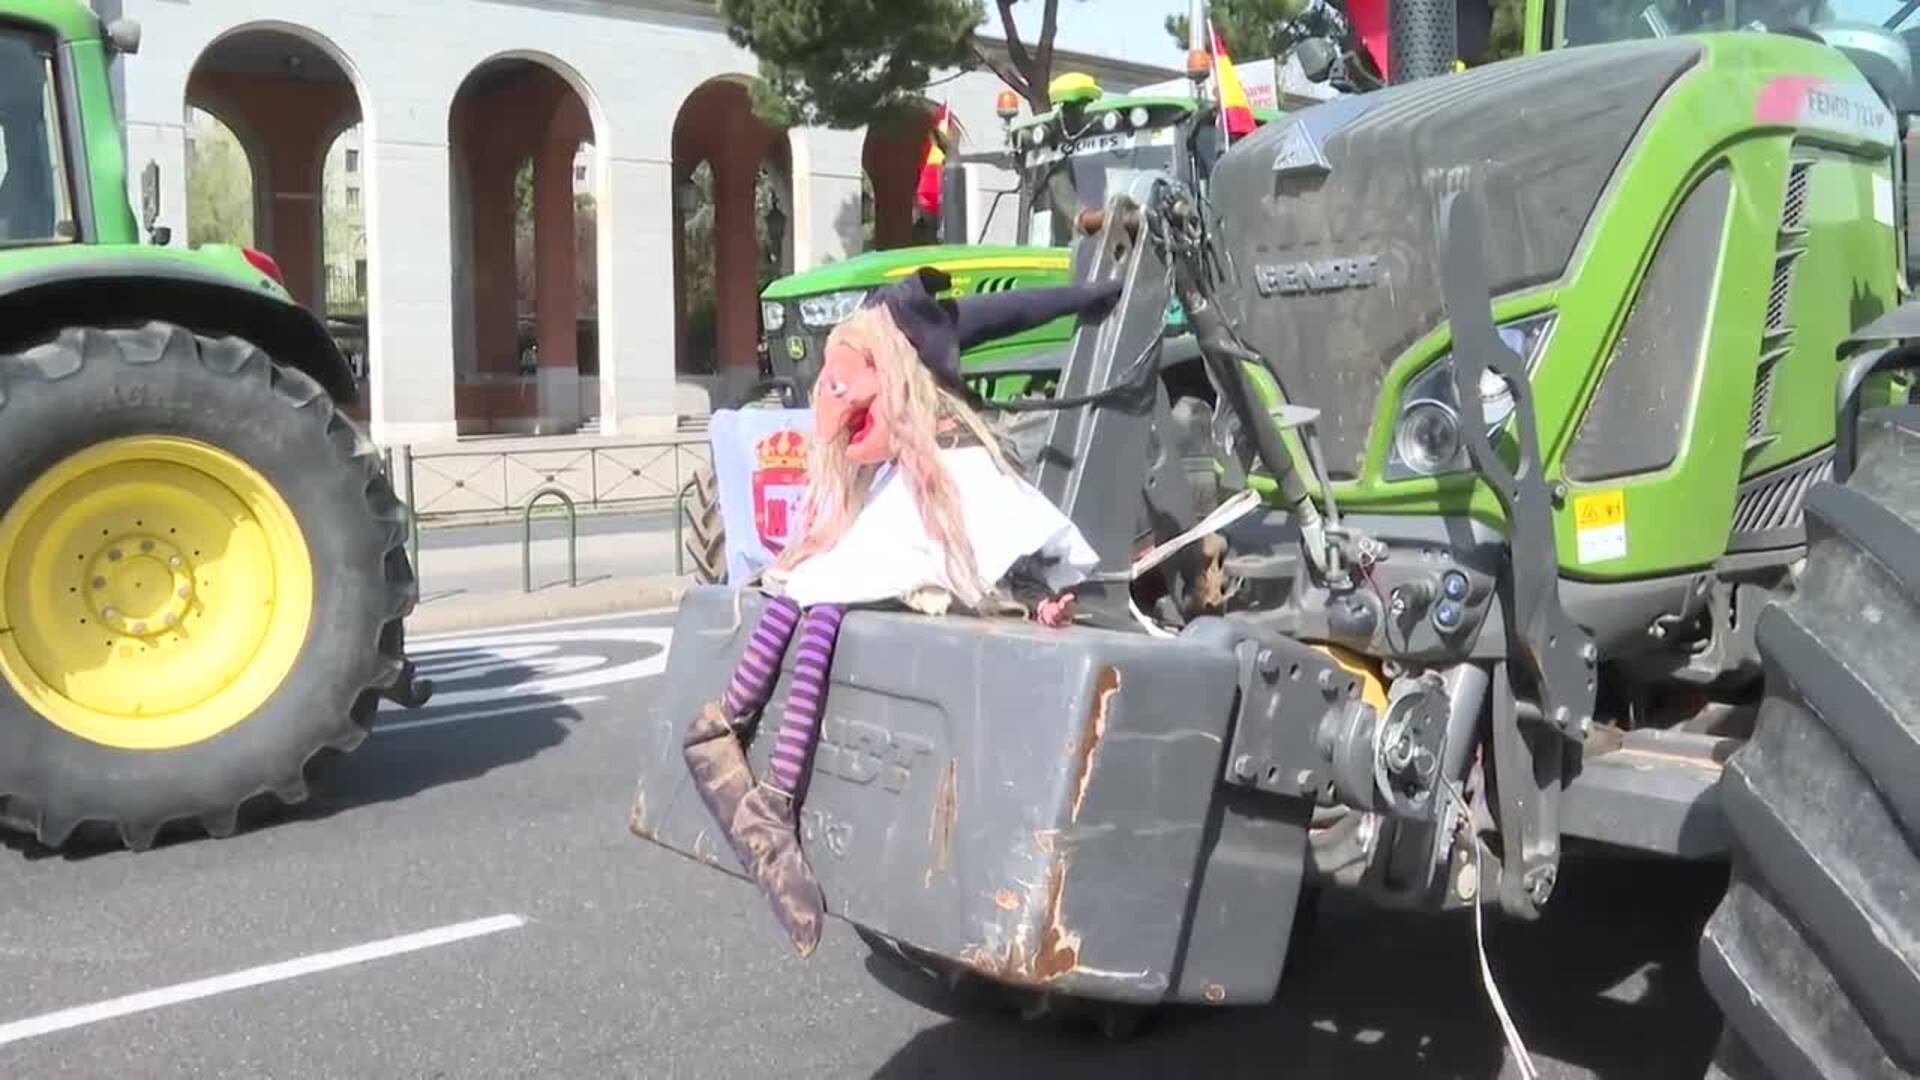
(974, 269)
(1329, 214)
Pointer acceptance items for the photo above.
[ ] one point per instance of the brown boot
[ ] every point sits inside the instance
(770, 839)
(720, 772)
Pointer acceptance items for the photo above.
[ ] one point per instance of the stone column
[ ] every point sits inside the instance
(736, 258)
(826, 196)
(636, 297)
(410, 292)
(556, 303)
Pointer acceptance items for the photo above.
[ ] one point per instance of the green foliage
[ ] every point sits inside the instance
(836, 63)
(219, 186)
(523, 191)
(1250, 28)
(1509, 30)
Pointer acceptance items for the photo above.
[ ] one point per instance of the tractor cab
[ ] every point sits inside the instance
(36, 204)
(1087, 149)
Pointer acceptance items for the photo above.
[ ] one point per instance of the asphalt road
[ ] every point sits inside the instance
(462, 899)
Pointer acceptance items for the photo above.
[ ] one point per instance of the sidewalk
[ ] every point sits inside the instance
(472, 577)
(477, 611)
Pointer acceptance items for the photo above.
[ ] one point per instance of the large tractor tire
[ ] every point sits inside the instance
(203, 578)
(706, 533)
(1814, 953)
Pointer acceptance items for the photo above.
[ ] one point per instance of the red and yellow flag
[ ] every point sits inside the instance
(1233, 96)
(928, 195)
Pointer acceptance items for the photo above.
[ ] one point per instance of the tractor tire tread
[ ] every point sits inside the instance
(706, 541)
(53, 819)
(1814, 953)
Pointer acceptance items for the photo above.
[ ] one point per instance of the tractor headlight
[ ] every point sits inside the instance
(1139, 116)
(773, 315)
(1426, 434)
(1111, 121)
(831, 309)
(1427, 438)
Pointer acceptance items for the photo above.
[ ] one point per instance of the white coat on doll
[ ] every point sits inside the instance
(887, 553)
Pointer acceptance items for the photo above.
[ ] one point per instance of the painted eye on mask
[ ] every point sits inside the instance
(836, 387)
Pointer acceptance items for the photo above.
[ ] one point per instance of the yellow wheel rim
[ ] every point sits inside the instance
(154, 592)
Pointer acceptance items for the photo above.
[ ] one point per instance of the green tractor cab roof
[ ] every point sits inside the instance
(878, 267)
(68, 19)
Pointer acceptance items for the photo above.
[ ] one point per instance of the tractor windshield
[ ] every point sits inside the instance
(1061, 183)
(35, 207)
(1592, 22)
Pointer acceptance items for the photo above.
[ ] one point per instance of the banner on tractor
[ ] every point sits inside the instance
(760, 465)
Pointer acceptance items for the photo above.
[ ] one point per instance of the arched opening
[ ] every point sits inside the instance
(277, 103)
(220, 183)
(732, 231)
(526, 228)
(897, 211)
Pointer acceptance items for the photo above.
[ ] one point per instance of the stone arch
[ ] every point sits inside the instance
(721, 152)
(891, 157)
(522, 129)
(289, 89)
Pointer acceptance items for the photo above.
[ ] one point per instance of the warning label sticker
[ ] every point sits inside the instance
(1600, 525)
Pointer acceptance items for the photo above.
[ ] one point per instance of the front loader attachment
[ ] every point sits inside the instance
(1043, 806)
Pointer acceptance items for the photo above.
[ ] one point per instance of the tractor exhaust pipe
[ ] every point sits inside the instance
(1422, 39)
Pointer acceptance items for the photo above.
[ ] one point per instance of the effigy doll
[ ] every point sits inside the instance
(910, 500)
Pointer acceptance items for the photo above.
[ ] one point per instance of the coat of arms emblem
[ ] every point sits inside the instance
(779, 484)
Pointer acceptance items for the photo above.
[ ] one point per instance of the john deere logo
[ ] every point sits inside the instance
(796, 348)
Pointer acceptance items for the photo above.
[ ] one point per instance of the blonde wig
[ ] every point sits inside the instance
(917, 409)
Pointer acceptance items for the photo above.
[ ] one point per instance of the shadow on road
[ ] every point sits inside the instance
(1603, 987)
(494, 706)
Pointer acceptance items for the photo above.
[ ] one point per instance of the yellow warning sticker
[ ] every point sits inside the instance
(1600, 525)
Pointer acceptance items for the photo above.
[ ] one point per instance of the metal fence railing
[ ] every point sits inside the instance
(445, 487)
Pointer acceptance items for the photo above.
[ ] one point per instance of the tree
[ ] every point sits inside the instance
(219, 185)
(1250, 28)
(842, 63)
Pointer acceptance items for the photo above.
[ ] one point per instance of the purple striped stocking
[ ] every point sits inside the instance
(760, 668)
(802, 723)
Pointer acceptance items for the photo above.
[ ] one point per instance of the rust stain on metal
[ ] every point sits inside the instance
(637, 817)
(946, 805)
(1047, 841)
(1105, 687)
(1015, 953)
(1059, 947)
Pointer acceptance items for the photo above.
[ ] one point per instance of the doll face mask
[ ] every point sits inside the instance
(846, 405)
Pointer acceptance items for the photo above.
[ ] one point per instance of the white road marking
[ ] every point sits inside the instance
(35, 1026)
(485, 714)
(488, 649)
(578, 620)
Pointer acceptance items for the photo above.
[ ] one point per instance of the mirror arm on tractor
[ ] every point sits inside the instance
(1556, 655)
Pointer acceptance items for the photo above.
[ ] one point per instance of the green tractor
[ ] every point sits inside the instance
(1570, 507)
(203, 572)
(1068, 160)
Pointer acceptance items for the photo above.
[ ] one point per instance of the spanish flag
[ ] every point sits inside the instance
(1233, 96)
(928, 195)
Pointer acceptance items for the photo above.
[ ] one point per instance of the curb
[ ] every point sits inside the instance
(482, 610)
